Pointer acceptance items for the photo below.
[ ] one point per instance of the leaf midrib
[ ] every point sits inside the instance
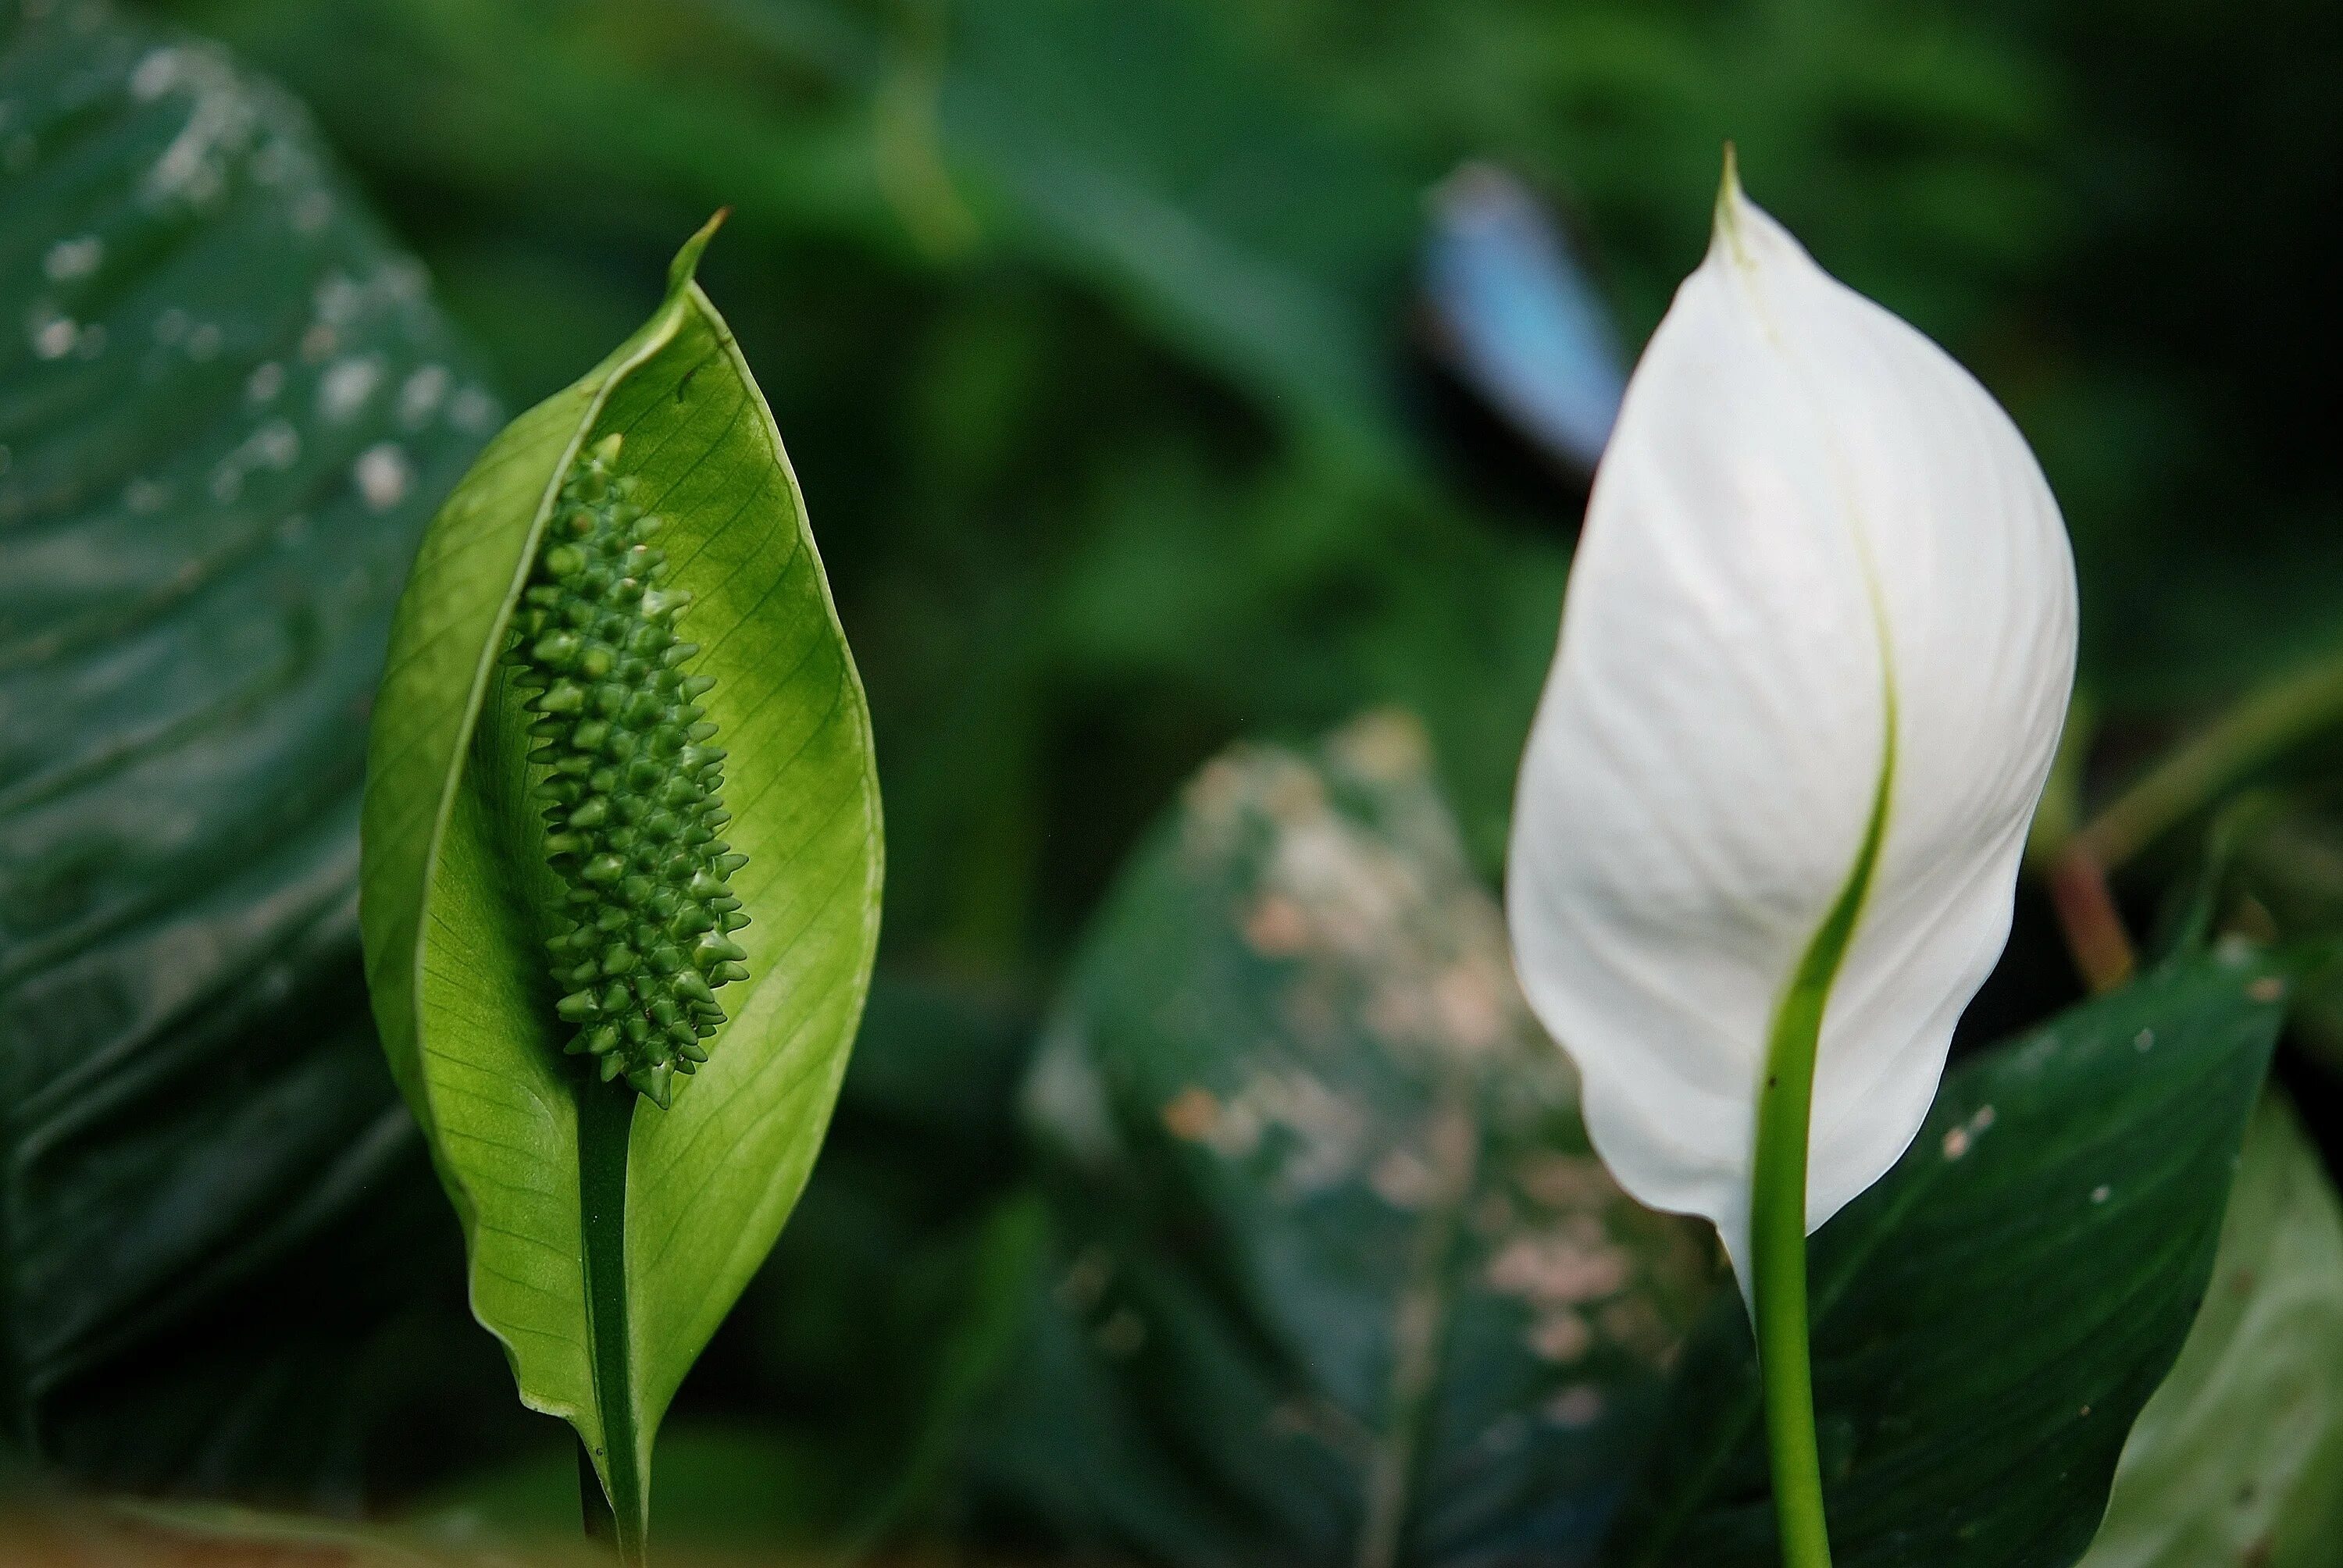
(1417, 1358)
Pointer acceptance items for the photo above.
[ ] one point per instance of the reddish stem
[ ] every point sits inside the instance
(2086, 913)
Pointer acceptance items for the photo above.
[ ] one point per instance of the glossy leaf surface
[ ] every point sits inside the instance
(227, 406)
(2238, 1459)
(457, 906)
(1340, 1281)
(1990, 1317)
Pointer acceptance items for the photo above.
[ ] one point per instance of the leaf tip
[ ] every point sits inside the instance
(687, 260)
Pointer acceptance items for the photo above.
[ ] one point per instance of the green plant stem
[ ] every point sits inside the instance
(606, 1117)
(1777, 1203)
(1777, 1224)
(2260, 727)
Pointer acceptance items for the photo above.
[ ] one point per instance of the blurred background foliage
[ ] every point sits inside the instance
(1092, 329)
(1100, 337)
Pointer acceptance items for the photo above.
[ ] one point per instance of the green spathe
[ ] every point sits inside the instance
(608, 1237)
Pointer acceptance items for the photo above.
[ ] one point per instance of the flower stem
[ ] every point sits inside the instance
(2262, 726)
(2087, 916)
(606, 1113)
(1777, 1225)
(1777, 1203)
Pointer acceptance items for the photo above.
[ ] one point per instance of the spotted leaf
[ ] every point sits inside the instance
(2239, 1456)
(1342, 1280)
(227, 406)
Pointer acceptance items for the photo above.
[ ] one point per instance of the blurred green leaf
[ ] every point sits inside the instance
(1043, 440)
(2238, 1458)
(609, 1237)
(856, 1343)
(1128, 144)
(731, 1486)
(1130, 140)
(1339, 1279)
(2176, 402)
(226, 406)
(159, 1531)
(1908, 149)
(1990, 1317)
(2273, 869)
(1016, 411)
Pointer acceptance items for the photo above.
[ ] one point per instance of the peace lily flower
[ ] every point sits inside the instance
(1815, 652)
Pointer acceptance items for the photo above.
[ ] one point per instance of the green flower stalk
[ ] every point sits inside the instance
(633, 800)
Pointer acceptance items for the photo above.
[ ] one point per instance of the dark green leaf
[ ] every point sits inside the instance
(869, 1331)
(2275, 863)
(2238, 1458)
(1133, 142)
(1133, 145)
(227, 406)
(1990, 1317)
(1340, 1280)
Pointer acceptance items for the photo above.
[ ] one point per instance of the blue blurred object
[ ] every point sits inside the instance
(1513, 314)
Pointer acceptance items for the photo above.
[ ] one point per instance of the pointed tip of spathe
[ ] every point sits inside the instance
(1731, 205)
(687, 261)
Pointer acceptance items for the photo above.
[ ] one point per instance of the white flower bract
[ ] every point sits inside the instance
(1821, 572)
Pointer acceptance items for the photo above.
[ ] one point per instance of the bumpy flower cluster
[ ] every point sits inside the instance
(631, 803)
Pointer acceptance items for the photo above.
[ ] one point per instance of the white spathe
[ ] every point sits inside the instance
(1815, 545)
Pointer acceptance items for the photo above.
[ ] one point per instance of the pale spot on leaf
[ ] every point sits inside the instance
(419, 397)
(345, 388)
(1554, 1268)
(1561, 1336)
(71, 258)
(1575, 1407)
(1277, 928)
(1192, 1114)
(155, 74)
(52, 336)
(383, 475)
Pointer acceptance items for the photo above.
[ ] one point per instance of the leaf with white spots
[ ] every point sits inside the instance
(2238, 1459)
(198, 589)
(1342, 1280)
(1991, 1315)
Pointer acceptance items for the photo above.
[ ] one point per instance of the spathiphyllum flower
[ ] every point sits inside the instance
(1815, 653)
(1815, 656)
